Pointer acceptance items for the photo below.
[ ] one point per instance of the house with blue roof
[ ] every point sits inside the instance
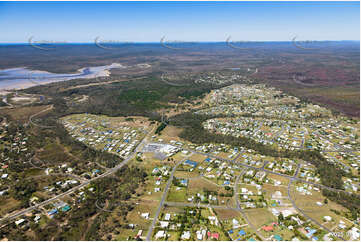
(66, 208)
(54, 211)
(184, 182)
(277, 237)
(191, 163)
(241, 232)
(310, 232)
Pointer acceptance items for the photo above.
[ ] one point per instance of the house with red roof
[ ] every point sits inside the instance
(212, 235)
(268, 228)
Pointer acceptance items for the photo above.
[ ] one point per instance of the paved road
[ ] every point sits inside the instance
(164, 196)
(198, 205)
(302, 146)
(27, 210)
(124, 162)
(339, 162)
(303, 214)
(297, 170)
(6, 102)
(107, 173)
(264, 164)
(340, 150)
(265, 170)
(239, 205)
(237, 156)
(34, 115)
(278, 133)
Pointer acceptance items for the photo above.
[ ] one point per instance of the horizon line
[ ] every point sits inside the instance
(170, 42)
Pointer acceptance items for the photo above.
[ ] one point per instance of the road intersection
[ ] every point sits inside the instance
(169, 182)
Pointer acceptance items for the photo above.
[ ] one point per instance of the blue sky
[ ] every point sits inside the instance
(178, 21)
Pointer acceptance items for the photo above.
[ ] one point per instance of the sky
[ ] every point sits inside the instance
(177, 21)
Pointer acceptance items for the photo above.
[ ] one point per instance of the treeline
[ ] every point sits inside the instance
(22, 191)
(160, 128)
(136, 97)
(347, 200)
(111, 190)
(19, 160)
(74, 225)
(330, 174)
(45, 136)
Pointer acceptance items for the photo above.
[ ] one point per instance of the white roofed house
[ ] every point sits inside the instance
(354, 233)
(186, 235)
(145, 215)
(199, 235)
(235, 223)
(164, 224)
(19, 222)
(160, 234)
(167, 217)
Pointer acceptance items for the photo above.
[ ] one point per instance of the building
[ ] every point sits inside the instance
(160, 234)
(186, 235)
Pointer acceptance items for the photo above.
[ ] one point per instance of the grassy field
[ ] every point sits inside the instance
(284, 181)
(260, 216)
(186, 174)
(23, 114)
(8, 205)
(308, 204)
(32, 172)
(177, 195)
(269, 190)
(227, 214)
(198, 184)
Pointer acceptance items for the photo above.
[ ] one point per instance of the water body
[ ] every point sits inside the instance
(22, 77)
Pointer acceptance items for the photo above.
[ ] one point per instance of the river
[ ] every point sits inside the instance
(22, 77)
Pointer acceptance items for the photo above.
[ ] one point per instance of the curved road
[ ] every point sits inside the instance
(34, 115)
(301, 211)
(265, 170)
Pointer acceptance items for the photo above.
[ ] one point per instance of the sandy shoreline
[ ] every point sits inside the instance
(21, 82)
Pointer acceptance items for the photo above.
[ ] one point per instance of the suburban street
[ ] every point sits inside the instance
(169, 182)
(303, 214)
(265, 170)
(164, 196)
(107, 173)
(239, 205)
